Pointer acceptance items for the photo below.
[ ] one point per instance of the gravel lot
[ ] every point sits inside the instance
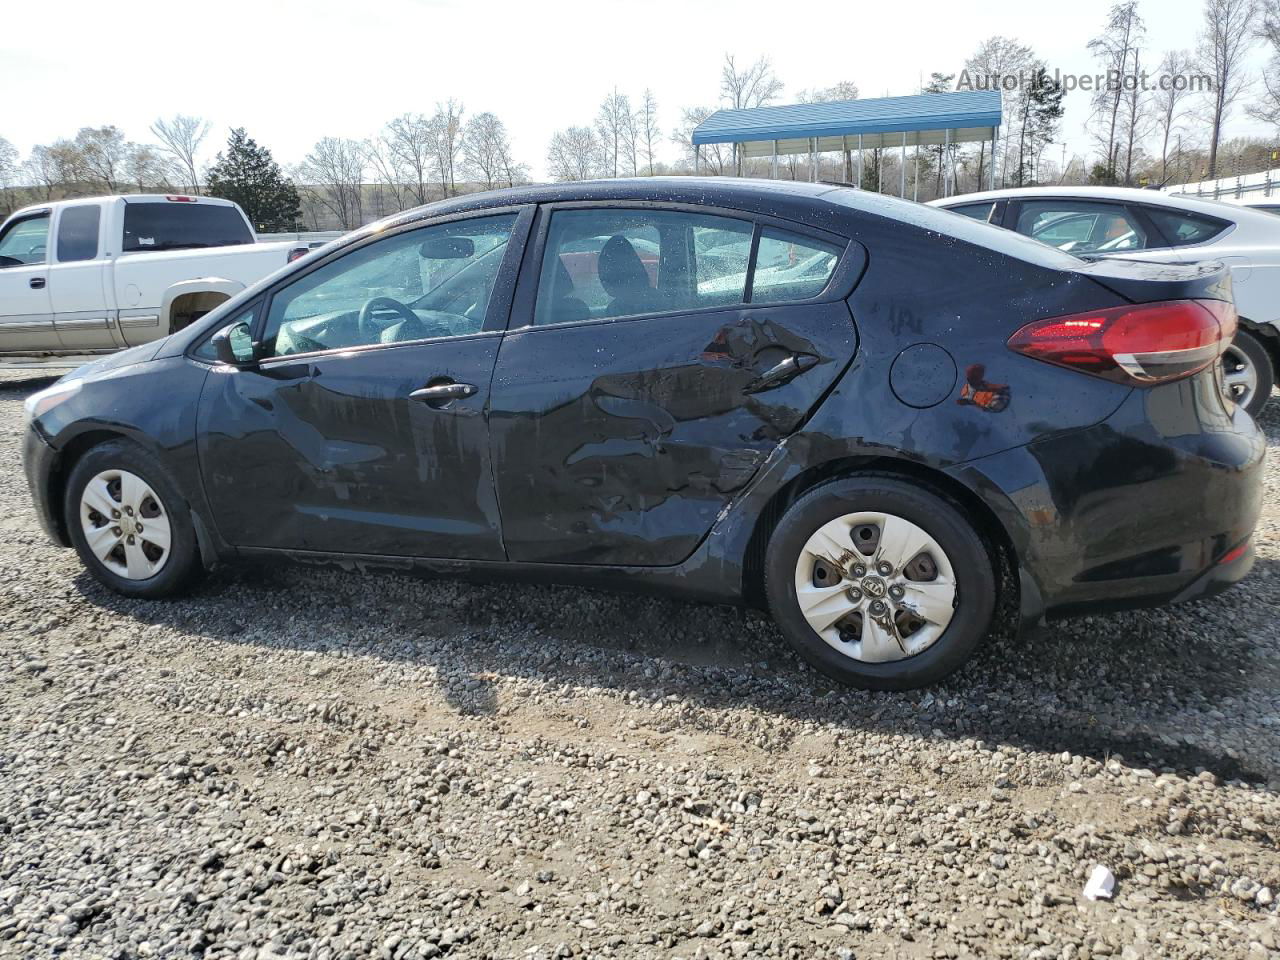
(306, 763)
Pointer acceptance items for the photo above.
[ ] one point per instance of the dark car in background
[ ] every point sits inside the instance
(881, 421)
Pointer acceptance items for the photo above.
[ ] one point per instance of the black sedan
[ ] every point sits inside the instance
(885, 422)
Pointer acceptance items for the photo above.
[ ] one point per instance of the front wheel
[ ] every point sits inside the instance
(1248, 373)
(130, 526)
(880, 583)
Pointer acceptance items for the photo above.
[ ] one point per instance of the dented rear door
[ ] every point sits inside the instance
(618, 442)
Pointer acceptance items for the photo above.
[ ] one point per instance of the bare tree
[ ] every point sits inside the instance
(1114, 49)
(1224, 42)
(574, 154)
(181, 137)
(147, 168)
(647, 132)
(1169, 101)
(410, 141)
(486, 152)
(713, 154)
(8, 173)
(393, 184)
(42, 169)
(996, 58)
(1267, 108)
(616, 131)
(752, 86)
(333, 173)
(103, 153)
(446, 144)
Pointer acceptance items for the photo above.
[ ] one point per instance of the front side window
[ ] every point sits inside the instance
(176, 225)
(609, 263)
(1081, 227)
(1183, 228)
(78, 233)
(26, 241)
(427, 283)
(790, 266)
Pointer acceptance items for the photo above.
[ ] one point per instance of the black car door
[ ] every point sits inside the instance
(362, 430)
(649, 372)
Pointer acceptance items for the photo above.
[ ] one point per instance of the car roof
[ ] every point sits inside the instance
(126, 197)
(1176, 201)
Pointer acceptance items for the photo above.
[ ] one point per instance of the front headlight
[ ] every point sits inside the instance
(38, 404)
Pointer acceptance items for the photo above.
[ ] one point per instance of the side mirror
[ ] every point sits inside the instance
(234, 346)
(447, 248)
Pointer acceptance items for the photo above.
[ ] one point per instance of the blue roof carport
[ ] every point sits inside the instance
(927, 119)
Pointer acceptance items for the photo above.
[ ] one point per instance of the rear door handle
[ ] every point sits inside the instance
(36, 283)
(443, 393)
(782, 371)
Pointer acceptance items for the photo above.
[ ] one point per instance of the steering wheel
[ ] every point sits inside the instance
(369, 330)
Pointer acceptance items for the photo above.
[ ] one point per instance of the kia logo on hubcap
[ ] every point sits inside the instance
(874, 587)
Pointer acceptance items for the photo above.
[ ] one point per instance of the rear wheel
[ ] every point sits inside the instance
(880, 583)
(1247, 372)
(128, 523)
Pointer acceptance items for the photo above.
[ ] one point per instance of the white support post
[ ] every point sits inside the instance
(995, 139)
(697, 157)
(773, 164)
(902, 192)
(813, 159)
(916, 192)
(859, 161)
(946, 169)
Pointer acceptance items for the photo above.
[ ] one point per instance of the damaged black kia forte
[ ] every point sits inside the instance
(883, 421)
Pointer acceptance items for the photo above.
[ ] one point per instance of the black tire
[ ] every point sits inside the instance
(183, 565)
(970, 558)
(1256, 354)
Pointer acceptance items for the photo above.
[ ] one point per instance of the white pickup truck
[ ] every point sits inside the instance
(101, 274)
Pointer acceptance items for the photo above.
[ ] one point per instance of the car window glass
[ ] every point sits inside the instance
(27, 240)
(78, 233)
(791, 267)
(1081, 226)
(428, 283)
(1181, 228)
(179, 225)
(614, 263)
(975, 211)
(206, 350)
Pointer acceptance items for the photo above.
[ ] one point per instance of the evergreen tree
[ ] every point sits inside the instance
(247, 174)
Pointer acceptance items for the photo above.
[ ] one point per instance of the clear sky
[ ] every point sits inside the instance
(292, 72)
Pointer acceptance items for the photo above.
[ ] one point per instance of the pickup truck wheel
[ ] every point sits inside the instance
(1248, 373)
(879, 582)
(131, 528)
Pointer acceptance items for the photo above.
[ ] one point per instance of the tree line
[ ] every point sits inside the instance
(1171, 132)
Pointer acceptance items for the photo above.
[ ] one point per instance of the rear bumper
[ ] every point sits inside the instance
(40, 462)
(1139, 510)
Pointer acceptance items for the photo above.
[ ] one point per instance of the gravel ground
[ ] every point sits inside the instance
(310, 763)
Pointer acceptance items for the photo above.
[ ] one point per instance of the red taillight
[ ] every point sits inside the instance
(1231, 556)
(297, 253)
(1146, 343)
(177, 199)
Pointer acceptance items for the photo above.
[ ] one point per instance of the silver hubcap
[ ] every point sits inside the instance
(125, 524)
(1239, 375)
(875, 587)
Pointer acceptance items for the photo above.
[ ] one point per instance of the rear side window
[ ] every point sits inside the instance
(615, 263)
(975, 211)
(791, 267)
(1081, 227)
(1182, 228)
(182, 226)
(78, 233)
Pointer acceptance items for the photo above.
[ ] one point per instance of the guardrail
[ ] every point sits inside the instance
(1265, 184)
(303, 237)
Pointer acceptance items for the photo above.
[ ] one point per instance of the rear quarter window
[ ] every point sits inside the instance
(1181, 228)
(182, 226)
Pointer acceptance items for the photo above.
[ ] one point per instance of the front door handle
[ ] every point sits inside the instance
(36, 283)
(782, 372)
(443, 394)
